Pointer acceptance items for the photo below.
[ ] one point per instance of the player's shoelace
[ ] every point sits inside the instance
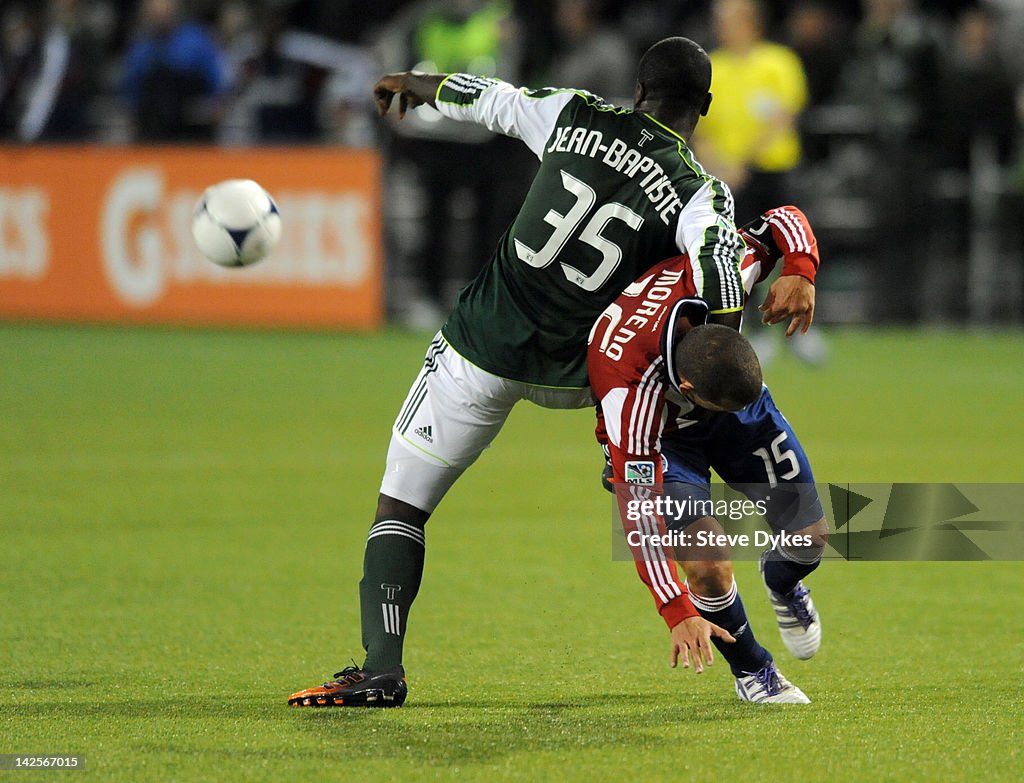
(796, 602)
(768, 678)
(347, 676)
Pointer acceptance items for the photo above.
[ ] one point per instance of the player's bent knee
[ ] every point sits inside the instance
(818, 532)
(708, 566)
(704, 539)
(415, 481)
(709, 578)
(813, 540)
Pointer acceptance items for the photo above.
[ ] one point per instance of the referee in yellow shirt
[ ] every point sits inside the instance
(750, 138)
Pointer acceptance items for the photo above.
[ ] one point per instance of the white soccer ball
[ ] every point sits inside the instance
(236, 223)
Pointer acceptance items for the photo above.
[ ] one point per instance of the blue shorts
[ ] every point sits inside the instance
(754, 451)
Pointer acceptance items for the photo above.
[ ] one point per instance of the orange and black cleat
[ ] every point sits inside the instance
(353, 687)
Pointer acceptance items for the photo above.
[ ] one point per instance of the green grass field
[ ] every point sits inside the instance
(182, 518)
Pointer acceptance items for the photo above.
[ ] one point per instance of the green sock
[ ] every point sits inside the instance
(392, 570)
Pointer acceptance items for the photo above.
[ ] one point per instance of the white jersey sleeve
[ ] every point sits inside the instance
(524, 114)
(707, 233)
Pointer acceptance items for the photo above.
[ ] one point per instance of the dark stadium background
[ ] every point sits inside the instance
(919, 219)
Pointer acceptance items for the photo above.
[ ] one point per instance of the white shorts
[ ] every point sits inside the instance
(452, 413)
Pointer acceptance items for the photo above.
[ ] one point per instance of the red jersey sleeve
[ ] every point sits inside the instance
(796, 241)
(629, 426)
(628, 378)
(783, 232)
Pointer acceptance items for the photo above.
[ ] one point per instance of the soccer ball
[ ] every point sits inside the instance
(236, 223)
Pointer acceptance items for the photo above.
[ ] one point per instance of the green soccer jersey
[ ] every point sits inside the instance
(616, 193)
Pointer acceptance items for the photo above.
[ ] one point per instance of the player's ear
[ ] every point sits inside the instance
(639, 94)
(707, 105)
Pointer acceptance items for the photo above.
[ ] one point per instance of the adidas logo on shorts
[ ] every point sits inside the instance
(427, 433)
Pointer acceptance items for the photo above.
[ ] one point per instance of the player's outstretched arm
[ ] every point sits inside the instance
(692, 637)
(412, 88)
(792, 238)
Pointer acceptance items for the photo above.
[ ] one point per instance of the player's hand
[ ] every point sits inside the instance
(385, 90)
(791, 296)
(692, 637)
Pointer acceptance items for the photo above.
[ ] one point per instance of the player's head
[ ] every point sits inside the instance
(674, 82)
(738, 24)
(160, 15)
(718, 368)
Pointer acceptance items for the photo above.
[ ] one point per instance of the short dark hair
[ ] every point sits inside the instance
(676, 71)
(721, 365)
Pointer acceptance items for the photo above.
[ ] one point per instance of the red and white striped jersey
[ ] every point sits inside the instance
(630, 363)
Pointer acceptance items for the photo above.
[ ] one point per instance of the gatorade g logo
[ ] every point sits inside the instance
(147, 248)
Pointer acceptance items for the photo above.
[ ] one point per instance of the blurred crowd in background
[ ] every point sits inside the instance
(896, 125)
